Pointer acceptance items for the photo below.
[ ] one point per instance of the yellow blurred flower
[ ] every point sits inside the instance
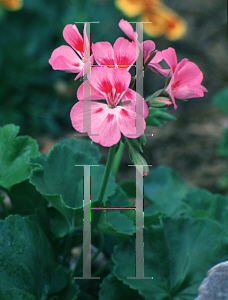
(130, 8)
(162, 19)
(11, 4)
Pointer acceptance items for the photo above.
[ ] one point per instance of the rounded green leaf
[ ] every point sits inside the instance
(26, 258)
(15, 293)
(83, 146)
(177, 255)
(164, 188)
(118, 288)
(208, 205)
(60, 181)
(15, 153)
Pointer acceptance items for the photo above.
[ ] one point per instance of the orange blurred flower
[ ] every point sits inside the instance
(162, 19)
(11, 4)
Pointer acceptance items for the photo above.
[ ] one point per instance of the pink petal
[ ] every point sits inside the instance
(125, 52)
(87, 92)
(80, 74)
(202, 88)
(170, 91)
(147, 47)
(86, 45)
(185, 92)
(110, 82)
(74, 38)
(103, 54)
(86, 69)
(154, 64)
(130, 123)
(100, 118)
(158, 57)
(189, 74)
(169, 55)
(126, 27)
(136, 99)
(65, 59)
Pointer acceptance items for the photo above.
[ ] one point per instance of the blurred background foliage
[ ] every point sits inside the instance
(32, 94)
(39, 99)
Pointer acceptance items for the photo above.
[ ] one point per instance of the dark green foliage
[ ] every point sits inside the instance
(185, 228)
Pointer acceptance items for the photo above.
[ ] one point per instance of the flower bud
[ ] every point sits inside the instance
(139, 161)
(159, 102)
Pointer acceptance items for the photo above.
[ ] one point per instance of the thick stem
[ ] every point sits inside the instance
(96, 214)
(117, 160)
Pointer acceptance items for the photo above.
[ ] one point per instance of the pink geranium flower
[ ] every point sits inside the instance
(126, 27)
(117, 115)
(147, 47)
(122, 55)
(186, 78)
(65, 58)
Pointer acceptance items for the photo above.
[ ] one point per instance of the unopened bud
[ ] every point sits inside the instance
(139, 161)
(159, 102)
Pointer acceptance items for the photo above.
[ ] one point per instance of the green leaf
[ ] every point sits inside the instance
(58, 179)
(60, 278)
(204, 204)
(177, 255)
(117, 222)
(158, 116)
(14, 156)
(118, 288)
(220, 99)
(83, 146)
(70, 292)
(129, 188)
(15, 293)
(25, 198)
(59, 225)
(164, 188)
(84, 296)
(60, 281)
(26, 260)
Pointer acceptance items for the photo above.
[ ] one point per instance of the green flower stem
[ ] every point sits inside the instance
(129, 144)
(100, 247)
(98, 272)
(117, 159)
(67, 249)
(96, 214)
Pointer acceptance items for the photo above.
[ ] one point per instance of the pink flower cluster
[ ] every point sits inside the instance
(109, 81)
